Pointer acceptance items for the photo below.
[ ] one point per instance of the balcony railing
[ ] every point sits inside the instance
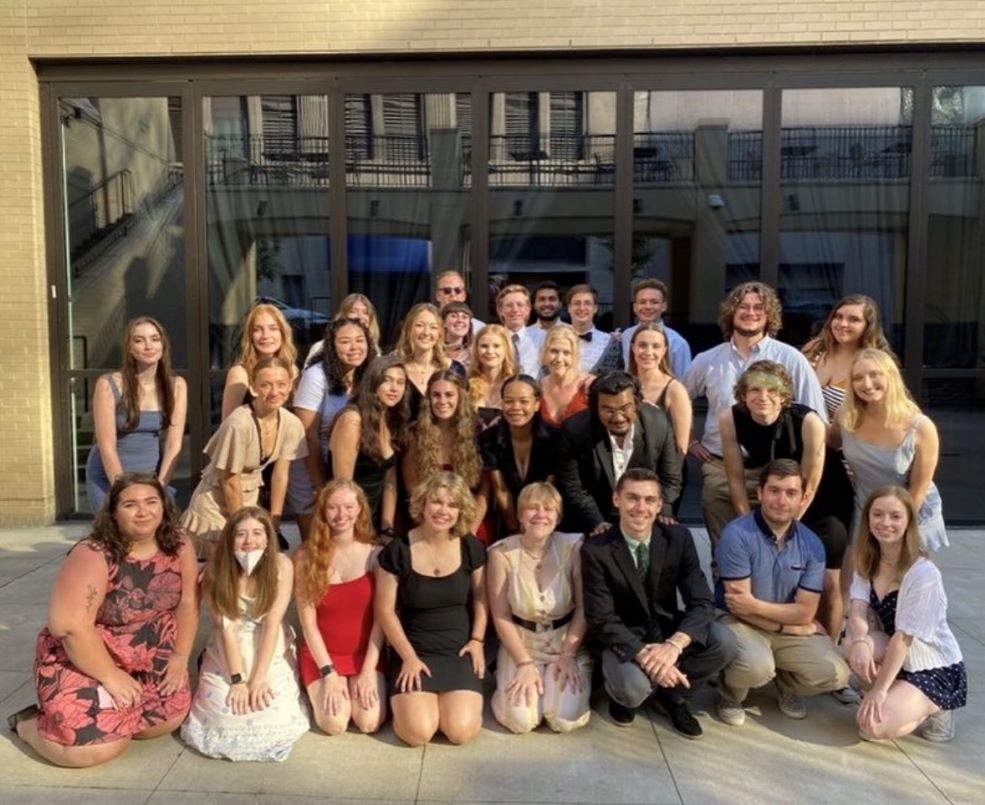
(551, 160)
(661, 157)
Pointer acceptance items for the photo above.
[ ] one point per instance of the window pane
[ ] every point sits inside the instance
(845, 185)
(957, 407)
(407, 192)
(125, 239)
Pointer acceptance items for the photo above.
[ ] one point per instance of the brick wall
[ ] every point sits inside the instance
(33, 29)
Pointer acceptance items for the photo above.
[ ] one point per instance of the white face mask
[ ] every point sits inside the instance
(248, 560)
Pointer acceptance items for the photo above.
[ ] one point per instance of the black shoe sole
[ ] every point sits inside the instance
(24, 714)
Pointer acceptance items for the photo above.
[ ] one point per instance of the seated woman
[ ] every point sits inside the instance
(111, 665)
(248, 705)
(253, 437)
(443, 438)
(340, 656)
(541, 673)
(899, 644)
(766, 424)
(131, 408)
(564, 389)
(520, 449)
(367, 437)
(457, 320)
(493, 361)
(431, 603)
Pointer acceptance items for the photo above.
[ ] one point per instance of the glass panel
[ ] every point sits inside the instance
(125, 242)
(407, 191)
(697, 169)
(551, 206)
(845, 185)
(267, 217)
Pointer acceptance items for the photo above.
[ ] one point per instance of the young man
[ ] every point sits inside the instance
(750, 319)
(771, 571)
(547, 304)
(513, 309)
(631, 575)
(600, 352)
(649, 306)
(449, 286)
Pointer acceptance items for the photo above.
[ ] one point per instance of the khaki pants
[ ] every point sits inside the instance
(804, 666)
(716, 502)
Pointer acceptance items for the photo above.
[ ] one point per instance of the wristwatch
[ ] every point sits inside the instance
(326, 670)
(236, 679)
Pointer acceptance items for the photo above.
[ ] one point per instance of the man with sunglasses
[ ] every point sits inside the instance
(450, 287)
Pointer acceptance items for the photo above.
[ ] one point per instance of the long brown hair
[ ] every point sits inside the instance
(868, 551)
(317, 552)
(426, 432)
(650, 327)
(221, 583)
(372, 412)
(346, 305)
(106, 533)
(162, 376)
(248, 356)
(873, 336)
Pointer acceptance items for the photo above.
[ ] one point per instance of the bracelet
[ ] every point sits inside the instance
(478, 640)
(521, 664)
(675, 644)
(571, 654)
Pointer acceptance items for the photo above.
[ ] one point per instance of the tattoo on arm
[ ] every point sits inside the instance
(90, 597)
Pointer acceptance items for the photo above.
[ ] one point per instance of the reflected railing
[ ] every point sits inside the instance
(552, 160)
(663, 156)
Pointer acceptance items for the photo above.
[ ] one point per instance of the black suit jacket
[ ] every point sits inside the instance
(621, 615)
(585, 476)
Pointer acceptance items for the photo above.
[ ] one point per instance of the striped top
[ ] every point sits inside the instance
(834, 396)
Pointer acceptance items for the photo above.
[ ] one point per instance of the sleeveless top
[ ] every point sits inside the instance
(763, 443)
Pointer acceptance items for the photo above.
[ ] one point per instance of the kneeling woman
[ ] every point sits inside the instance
(431, 603)
(111, 665)
(908, 659)
(534, 584)
(248, 705)
(340, 658)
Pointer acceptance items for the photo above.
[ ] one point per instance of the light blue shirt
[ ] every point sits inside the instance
(680, 350)
(528, 345)
(714, 373)
(592, 350)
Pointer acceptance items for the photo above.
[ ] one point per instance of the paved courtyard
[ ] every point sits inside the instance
(769, 759)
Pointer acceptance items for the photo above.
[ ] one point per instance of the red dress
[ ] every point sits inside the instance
(345, 620)
(137, 624)
(577, 404)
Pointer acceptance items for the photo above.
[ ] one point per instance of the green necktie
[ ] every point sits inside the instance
(642, 559)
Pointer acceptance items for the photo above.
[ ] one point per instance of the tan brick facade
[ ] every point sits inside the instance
(40, 29)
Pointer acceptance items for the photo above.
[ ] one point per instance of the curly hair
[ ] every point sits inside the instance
(248, 355)
(315, 557)
(478, 384)
(372, 413)
(900, 407)
(456, 487)
(405, 344)
(335, 370)
(872, 336)
(345, 308)
(220, 585)
(650, 327)
(769, 373)
(769, 298)
(426, 434)
(868, 551)
(163, 378)
(106, 533)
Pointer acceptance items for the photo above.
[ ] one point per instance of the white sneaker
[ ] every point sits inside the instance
(790, 705)
(731, 713)
(939, 727)
(847, 695)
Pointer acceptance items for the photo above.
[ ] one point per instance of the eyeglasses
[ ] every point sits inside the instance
(452, 290)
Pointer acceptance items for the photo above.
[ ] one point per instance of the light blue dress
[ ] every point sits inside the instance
(139, 449)
(873, 466)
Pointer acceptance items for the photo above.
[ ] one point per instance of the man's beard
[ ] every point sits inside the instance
(745, 332)
(549, 319)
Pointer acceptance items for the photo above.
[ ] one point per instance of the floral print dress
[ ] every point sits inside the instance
(137, 624)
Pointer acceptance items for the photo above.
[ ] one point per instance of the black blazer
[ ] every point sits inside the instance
(585, 476)
(620, 614)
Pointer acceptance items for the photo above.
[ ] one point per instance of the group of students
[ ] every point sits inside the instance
(402, 469)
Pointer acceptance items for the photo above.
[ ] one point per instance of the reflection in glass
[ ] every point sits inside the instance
(551, 199)
(267, 216)
(845, 185)
(407, 178)
(697, 169)
(125, 239)
(956, 407)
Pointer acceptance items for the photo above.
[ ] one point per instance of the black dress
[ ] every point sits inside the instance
(436, 615)
(369, 474)
(496, 449)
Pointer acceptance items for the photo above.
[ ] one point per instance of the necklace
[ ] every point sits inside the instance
(434, 557)
(538, 560)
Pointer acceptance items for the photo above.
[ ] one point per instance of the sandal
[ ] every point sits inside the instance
(23, 714)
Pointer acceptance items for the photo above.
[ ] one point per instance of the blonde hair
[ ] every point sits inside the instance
(460, 494)
(900, 407)
(868, 551)
(540, 492)
(220, 586)
(563, 332)
(319, 549)
(248, 355)
(405, 345)
(478, 385)
(346, 306)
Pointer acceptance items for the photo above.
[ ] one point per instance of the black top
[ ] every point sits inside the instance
(763, 443)
(496, 448)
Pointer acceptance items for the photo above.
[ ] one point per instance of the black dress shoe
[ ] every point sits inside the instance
(24, 714)
(622, 715)
(680, 716)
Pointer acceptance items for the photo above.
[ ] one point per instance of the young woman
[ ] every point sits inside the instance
(519, 449)
(564, 391)
(443, 438)
(110, 664)
(431, 603)
(899, 643)
(535, 598)
(324, 390)
(493, 361)
(457, 320)
(340, 656)
(887, 440)
(649, 362)
(368, 435)
(421, 351)
(358, 307)
(131, 407)
(248, 705)
(266, 334)
(254, 436)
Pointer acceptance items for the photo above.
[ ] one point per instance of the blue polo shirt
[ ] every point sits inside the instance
(748, 550)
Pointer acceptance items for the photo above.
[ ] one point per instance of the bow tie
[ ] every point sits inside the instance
(585, 336)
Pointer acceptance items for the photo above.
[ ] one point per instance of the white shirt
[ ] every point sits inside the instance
(528, 342)
(592, 350)
(621, 455)
(477, 325)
